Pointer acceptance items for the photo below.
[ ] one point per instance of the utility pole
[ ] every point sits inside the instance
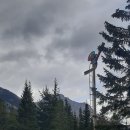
(94, 58)
(94, 98)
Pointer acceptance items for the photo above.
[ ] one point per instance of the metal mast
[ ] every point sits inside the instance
(93, 58)
(94, 98)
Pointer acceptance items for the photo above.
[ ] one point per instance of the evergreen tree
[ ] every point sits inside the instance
(59, 121)
(27, 110)
(45, 109)
(55, 91)
(7, 117)
(59, 115)
(12, 123)
(87, 118)
(69, 118)
(85, 121)
(3, 115)
(116, 56)
(112, 123)
(75, 127)
(53, 113)
(81, 120)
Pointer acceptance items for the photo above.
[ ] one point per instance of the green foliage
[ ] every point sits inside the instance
(12, 123)
(116, 56)
(69, 116)
(81, 120)
(59, 121)
(111, 124)
(53, 113)
(27, 110)
(50, 113)
(75, 122)
(87, 118)
(45, 108)
(85, 121)
(8, 119)
(3, 115)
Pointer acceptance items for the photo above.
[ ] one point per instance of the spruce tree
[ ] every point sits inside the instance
(55, 91)
(27, 110)
(75, 122)
(70, 121)
(81, 120)
(59, 115)
(87, 118)
(45, 110)
(116, 56)
(3, 115)
(59, 118)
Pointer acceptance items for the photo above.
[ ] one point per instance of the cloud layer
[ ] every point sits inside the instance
(44, 39)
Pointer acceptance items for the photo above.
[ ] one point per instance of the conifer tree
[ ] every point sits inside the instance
(116, 56)
(59, 114)
(45, 109)
(55, 91)
(60, 117)
(59, 121)
(87, 118)
(70, 117)
(85, 121)
(75, 122)
(3, 115)
(81, 120)
(27, 110)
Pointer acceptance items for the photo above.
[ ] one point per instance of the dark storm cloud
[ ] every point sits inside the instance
(35, 18)
(25, 19)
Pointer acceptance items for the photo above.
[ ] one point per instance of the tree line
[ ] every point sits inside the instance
(49, 113)
(52, 113)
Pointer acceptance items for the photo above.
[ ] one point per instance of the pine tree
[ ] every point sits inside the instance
(27, 110)
(45, 109)
(87, 118)
(75, 122)
(53, 113)
(55, 91)
(59, 117)
(70, 117)
(81, 120)
(3, 115)
(85, 121)
(116, 80)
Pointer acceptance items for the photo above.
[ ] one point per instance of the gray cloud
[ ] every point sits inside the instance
(44, 39)
(19, 55)
(35, 18)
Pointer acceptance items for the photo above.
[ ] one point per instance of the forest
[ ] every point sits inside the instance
(50, 113)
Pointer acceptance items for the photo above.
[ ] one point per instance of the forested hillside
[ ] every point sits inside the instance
(50, 113)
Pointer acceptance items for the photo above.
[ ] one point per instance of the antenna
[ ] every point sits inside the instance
(93, 57)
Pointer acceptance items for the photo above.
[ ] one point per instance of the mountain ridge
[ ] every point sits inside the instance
(12, 99)
(9, 97)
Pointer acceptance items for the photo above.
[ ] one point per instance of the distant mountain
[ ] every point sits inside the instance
(12, 99)
(9, 97)
(75, 105)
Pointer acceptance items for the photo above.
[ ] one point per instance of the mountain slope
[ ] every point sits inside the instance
(74, 105)
(9, 97)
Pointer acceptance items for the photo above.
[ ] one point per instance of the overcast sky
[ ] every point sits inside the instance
(44, 39)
